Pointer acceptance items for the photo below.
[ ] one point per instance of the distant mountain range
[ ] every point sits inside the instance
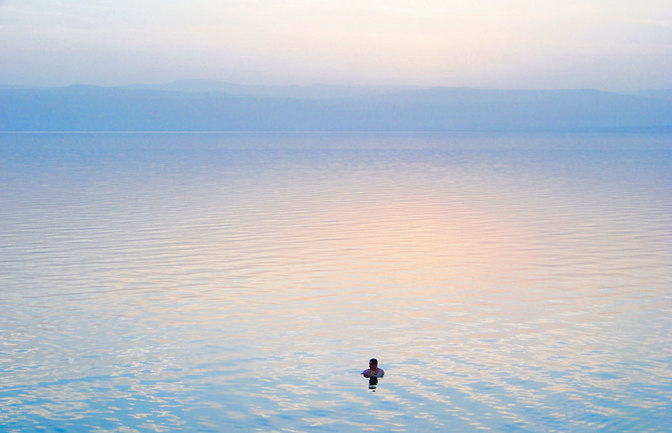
(216, 106)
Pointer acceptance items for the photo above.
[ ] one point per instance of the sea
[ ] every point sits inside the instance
(240, 282)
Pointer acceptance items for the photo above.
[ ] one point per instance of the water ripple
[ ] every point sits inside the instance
(240, 283)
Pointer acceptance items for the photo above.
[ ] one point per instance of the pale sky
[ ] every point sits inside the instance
(531, 44)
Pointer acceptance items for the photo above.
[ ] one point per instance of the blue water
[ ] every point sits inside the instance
(241, 282)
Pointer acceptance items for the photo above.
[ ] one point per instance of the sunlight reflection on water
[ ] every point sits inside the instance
(241, 282)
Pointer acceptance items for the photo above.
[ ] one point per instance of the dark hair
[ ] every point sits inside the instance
(373, 360)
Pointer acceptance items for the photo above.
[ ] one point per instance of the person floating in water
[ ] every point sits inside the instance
(373, 373)
(373, 370)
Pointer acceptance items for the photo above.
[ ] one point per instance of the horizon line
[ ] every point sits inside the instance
(664, 129)
(319, 84)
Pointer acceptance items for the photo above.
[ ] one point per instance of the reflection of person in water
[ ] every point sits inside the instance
(373, 371)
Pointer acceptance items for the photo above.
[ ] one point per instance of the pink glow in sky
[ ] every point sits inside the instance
(604, 44)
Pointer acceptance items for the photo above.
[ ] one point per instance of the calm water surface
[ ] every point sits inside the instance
(240, 282)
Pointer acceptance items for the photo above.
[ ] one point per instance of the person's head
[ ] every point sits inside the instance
(373, 363)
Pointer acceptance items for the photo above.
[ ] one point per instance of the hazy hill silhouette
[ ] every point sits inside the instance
(213, 106)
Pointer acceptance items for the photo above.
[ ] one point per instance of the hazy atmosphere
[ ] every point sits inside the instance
(335, 216)
(606, 45)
